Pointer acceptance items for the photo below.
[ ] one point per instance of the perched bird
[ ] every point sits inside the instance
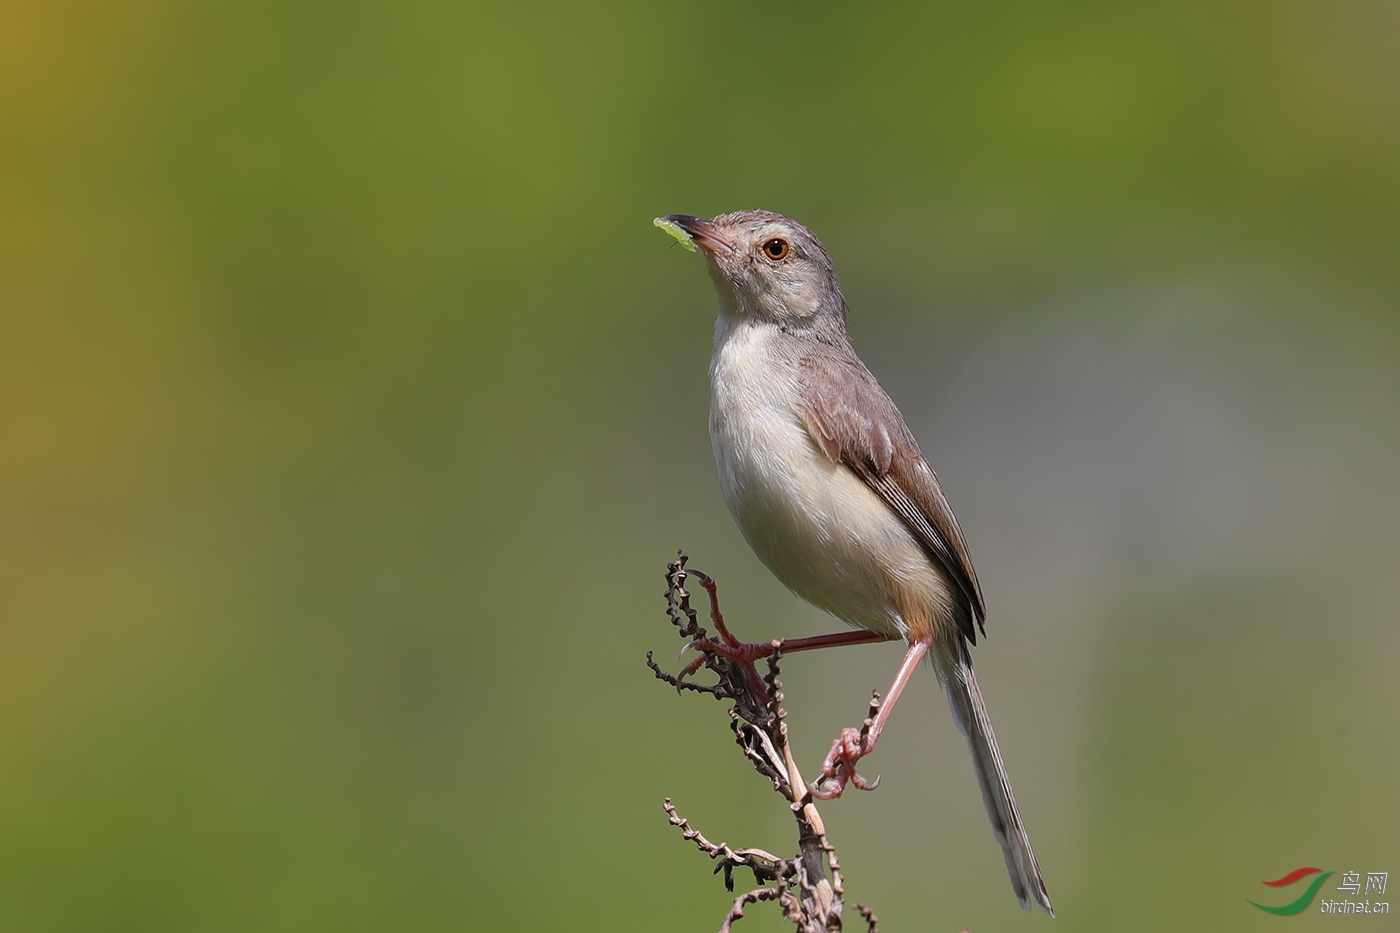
(829, 488)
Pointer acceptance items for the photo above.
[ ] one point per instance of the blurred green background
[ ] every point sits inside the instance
(351, 407)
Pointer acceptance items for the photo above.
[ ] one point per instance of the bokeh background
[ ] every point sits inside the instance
(351, 407)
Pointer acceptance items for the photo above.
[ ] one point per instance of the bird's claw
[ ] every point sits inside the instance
(745, 654)
(689, 669)
(839, 767)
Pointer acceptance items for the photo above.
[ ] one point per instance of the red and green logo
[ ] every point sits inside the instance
(1304, 900)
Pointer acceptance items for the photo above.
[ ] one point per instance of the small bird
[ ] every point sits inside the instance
(828, 486)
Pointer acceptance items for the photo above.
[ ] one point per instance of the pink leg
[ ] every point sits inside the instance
(834, 640)
(717, 617)
(747, 653)
(854, 744)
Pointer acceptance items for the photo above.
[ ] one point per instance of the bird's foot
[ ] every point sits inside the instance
(839, 766)
(739, 652)
(744, 654)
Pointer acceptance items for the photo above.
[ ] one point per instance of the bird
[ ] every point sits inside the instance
(828, 486)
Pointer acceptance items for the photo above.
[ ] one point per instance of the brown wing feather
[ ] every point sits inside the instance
(856, 424)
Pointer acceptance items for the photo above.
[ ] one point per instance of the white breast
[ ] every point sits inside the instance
(813, 522)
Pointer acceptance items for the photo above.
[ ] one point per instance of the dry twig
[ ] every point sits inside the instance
(809, 887)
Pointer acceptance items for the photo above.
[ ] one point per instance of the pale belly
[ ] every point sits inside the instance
(813, 522)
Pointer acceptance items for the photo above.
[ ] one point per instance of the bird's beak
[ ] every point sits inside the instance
(704, 233)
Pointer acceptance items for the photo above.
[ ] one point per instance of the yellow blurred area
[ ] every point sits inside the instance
(351, 408)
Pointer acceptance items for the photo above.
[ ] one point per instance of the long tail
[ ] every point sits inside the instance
(954, 667)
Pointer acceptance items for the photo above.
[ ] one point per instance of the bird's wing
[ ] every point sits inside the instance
(856, 424)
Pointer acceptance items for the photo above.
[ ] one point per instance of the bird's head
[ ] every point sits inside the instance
(766, 266)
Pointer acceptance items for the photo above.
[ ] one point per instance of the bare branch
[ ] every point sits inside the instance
(764, 865)
(809, 887)
(737, 911)
(715, 690)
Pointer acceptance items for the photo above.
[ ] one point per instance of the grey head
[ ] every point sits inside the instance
(769, 267)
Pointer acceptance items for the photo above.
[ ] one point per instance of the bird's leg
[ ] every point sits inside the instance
(752, 651)
(834, 640)
(747, 654)
(717, 617)
(839, 767)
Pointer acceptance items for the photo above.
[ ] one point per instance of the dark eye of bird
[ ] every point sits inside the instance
(776, 249)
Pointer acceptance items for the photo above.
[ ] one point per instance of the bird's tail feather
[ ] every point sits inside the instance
(954, 666)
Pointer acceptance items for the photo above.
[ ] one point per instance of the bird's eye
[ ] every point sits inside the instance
(776, 248)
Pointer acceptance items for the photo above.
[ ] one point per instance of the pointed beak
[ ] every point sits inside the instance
(704, 232)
